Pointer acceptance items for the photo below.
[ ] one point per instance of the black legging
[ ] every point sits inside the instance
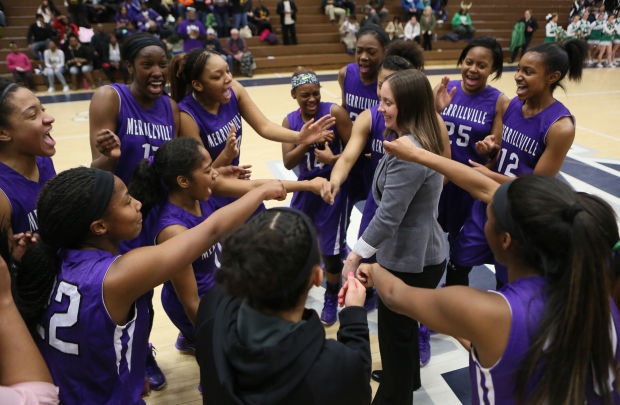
(398, 343)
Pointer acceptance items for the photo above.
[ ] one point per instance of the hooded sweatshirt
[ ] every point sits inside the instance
(272, 361)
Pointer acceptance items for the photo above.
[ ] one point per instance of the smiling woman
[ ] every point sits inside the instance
(130, 122)
(25, 150)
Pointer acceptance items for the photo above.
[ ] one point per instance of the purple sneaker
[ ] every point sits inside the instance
(184, 345)
(424, 340)
(370, 303)
(329, 315)
(157, 379)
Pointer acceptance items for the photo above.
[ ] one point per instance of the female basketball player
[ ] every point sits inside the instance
(25, 150)
(313, 161)
(404, 232)
(358, 82)
(472, 110)
(129, 122)
(259, 344)
(84, 300)
(562, 252)
(537, 132)
(174, 188)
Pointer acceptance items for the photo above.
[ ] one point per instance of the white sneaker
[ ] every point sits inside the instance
(50, 90)
(65, 89)
(599, 65)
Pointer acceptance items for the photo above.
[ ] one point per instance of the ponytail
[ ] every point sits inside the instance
(145, 186)
(154, 178)
(33, 281)
(567, 238)
(178, 87)
(566, 58)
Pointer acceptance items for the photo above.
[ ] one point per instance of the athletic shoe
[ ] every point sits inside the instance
(424, 341)
(50, 90)
(370, 303)
(65, 89)
(157, 379)
(329, 315)
(599, 65)
(184, 345)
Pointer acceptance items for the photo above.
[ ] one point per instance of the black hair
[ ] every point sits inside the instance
(567, 237)
(565, 58)
(496, 50)
(132, 45)
(184, 68)
(400, 51)
(6, 107)
(37, 16)
(151, 182)
(261, 260)
(63, 201)
(376, 32)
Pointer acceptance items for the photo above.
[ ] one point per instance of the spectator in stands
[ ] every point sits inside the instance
(99, 44)
(349, 6)
(379, 6)
(64, 28)
(192, 31)
(213, 44)
(427, 27)
(122, 19)
(412, 7)
(2, 16)
(77, 11)
(133, 9)
(238, 49)
(182, 6)
(578, 7)
(412, 29)
(395, 29)
(333, 8)
(531, 25)
(19, 64)
(112, 61)
(239, 10)
(54, 66)
(79, 59)
(48, 10)
(439, 10)
(461, 23)
(348, 33)
(39, 34)
(149, 19)
(220, 12)
(370, 17)
(99, 10)
(288, 14)
(261, 18)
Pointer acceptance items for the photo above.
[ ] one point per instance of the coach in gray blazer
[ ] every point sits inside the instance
(404, 232)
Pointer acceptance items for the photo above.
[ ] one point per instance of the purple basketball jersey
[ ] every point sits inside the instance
(524, 139)
(469, 119)
(357, 95)
(141, 131)
(375, 145)
(357, 98)
(330, 220)
(204, 267)
(23, 194)
(92, 359)
(214, 130)
(496, 385)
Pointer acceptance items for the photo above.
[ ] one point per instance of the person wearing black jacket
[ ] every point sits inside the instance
(256, 343)
(531, 25)
(288, 14)
(79, 59)
(261, 18)
(39, 34)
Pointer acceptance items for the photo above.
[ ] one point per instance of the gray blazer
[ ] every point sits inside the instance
(404, 232)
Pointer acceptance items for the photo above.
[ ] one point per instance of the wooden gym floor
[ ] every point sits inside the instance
(593, 165)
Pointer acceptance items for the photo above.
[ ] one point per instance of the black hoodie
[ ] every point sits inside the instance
(303, 368)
